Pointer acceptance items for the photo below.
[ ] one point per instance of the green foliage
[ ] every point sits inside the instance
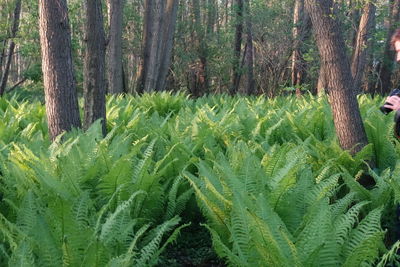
(269, 176)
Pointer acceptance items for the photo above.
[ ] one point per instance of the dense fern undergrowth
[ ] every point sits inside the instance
(267, 175)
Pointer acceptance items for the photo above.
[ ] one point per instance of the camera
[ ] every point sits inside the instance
(388, 110)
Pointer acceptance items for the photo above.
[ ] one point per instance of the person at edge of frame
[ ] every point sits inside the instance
(393, 102)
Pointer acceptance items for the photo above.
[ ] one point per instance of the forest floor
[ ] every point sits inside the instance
(192, 248)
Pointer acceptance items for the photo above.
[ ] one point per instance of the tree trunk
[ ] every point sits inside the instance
(14, 30)
(360, 54)
(354, 18)
(168, 30)
(322, 80)
(388, 58)
(58, 78)
(94, 84)
(249, 55)
(155, 30)
(237, 47)
(158, 32)
(198, 77)
(114, 49)
(301, 22)
(331, 46)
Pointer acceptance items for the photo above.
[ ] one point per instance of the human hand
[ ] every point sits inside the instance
(392, 102)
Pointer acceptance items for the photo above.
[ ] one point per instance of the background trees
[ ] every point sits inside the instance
(199, 45)
(58, 77)
(206, 46)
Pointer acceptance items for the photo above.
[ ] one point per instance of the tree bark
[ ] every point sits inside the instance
(168, 30)
(60, 94)
(14, 30)
(301, 22)
(322, 80)
(94, 83)
(114, 48)
(150, 81)
(158, 32)
(360, 54)
(198, 77)
(331, 46)
(237, 47)
(249, 55)
(388, 58)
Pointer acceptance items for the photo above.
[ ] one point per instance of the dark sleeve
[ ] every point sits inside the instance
(397, 124)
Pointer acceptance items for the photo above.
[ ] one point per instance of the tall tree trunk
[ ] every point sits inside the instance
(388, 58)
(301, 22)
(354, 18)
(155, 30)
(10, 52)
(249, 55)
(168, 30)
(322, 80)
(237, 47)
(94, 84)
(198, 77)
(331, 46)
(158, 32)
(114, 51)
(360, 54)
(59, 84)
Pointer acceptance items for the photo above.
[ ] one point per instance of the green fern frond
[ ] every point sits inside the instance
(345, 222)
(341, 205)
(369, 227)
(23, 255)
(391, 256)
(150, 250)
(223, 251)
(118, 219)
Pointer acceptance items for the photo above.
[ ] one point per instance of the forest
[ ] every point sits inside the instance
(199, 133)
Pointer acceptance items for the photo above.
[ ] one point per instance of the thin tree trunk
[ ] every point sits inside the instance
(199, 70)
(388, 58)
(158, 35)
(114, 51)
(237, 47)
(360, 54)
(14, 30)
(168, 30)
(355, 21)
(301, 22)
(331, 46)
(249, 56)
(94, 84)
(58, 78)
(153, 60)
(146, 41)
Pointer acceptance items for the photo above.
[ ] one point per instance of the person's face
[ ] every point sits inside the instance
(397, 49)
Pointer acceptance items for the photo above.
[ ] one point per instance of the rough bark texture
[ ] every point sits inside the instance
(302, 23)
(94, 84)
(322, 83)
(114, 51)
(168, 30)
(331, 46)
(237, 47)
(150, 81)
(60, 94)
(10, 52)
(385, 84)
(159, 27)
(249, 54)
(197, 76)
(360, 54)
